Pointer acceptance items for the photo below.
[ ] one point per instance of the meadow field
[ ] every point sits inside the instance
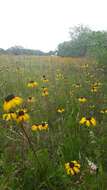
(53, 123)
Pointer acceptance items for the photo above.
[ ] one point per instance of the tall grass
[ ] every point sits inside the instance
(35, 160)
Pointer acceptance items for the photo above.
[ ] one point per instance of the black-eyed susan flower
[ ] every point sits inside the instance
(43, 126)
(59, 76)
(103, 111)
(82, 99)
(91, 121)
(35, 127)
(11, 101)
(94, 88)
(60, 110)
(96, 84)
(32, 84)
(9, 116)
(92, 106)
(84, 66)
(72, 168)
(31, 99)
(22, 116)
(45, 79)
(45, 91)
(40, 127)
(77, 85)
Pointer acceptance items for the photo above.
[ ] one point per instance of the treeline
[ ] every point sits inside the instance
(18, 50)
(85, 42)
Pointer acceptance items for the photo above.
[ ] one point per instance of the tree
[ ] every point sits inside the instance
(77, 46)
(85, 42)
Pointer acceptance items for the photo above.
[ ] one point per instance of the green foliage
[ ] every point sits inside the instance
(85, 42)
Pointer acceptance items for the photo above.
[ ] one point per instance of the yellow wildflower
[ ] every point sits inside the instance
(22, 116)
(45, 91)
(77, 85)
(31, 99)
(72, 168)
(11, 101)
(40, 127)
(45, 79)
(43, 126)
(34, 127)
(32, 84)
(9, 116)
(82, 99)
(60, 110)
(88, 121)
(94, 89)
(103, 111)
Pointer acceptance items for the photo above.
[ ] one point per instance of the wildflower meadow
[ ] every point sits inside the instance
(53, 123)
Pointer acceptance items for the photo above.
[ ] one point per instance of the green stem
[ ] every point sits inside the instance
(30, 144)
(36, 157)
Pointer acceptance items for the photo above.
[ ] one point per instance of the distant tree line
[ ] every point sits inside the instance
(85, 42)
(19, 50)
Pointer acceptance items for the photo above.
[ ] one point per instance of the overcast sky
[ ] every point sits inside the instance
(43, 24)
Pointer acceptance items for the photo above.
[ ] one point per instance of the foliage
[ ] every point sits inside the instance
(85, 42)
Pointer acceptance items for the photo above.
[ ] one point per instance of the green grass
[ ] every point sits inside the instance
(36, 161)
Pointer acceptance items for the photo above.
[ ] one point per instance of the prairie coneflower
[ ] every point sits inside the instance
(84, 66)
(60, 110)
(9, 116)
(22, 116)
(92, 106)
(45, 91)
(40, 127)
(45, 79)
(32, 84)
(43, 126)
(77, 85)
(94, 89)
(103, 111)
(96, 84)
(88, 121)
(34, 127)
(82, 99)
(72, 168)
(59, 76)
(11, 101)
(31, 99)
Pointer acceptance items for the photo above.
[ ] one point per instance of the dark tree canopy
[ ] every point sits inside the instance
(84, 42)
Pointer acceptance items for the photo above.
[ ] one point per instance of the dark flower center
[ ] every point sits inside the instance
(31, 81)
(37, 124)
(43, 124)
(30, 98)
(9, 97)
(82, 97)
(71, 164)
(88, 118)
(20, 113)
